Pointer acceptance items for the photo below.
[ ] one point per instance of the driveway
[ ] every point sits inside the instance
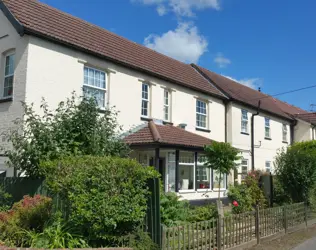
(307, 245)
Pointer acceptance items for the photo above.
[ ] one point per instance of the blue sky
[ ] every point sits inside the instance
(266, 43)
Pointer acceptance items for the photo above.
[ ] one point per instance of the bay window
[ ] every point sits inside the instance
(94, 85)
(186, 171)
(219, 181)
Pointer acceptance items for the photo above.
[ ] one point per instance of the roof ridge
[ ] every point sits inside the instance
(99, 27)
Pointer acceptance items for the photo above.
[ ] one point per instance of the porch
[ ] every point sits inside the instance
(179, 157)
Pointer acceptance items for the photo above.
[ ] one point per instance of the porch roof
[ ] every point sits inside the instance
(166, 135)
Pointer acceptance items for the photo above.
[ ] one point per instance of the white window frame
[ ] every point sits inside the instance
(87, 85)
(284, 132)
(6, 56)
(224, 177)
(267, 126)
(188, 163)
(201, 114)
(167, 105)
(244, 120)
(146, 100)
(268, 168)
(242, 167)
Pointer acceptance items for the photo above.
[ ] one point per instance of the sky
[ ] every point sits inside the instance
(260, 43)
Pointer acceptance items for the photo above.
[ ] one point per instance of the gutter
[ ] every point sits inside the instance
(253, 137)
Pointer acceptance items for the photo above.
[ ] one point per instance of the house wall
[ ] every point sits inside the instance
(303, 131)
(265, 150)
(62, 73)
(10, 110)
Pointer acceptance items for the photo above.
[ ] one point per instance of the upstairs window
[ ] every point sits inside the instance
(244, 121)
(94, 85)
(166, 107)
(267, 127)
(201, 114)
(8, 76)
(284, 132)
(145, 100)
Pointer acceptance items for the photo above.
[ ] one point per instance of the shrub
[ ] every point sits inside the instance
(173, 210)
(296, 170)
(106, 196)
(5, 200)
(247, 194)
(31, 213)
(76, 127)
(203, 213)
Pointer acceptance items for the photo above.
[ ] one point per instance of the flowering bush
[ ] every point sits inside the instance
(31, 213)
(246, 195)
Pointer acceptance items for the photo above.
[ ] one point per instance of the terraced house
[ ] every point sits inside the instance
(168, 109)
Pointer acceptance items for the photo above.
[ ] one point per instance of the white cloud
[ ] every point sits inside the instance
(221, 61)
(184, 43)
(181, 7)
(253, 83)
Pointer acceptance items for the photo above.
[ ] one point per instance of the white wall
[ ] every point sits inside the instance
(303, 131)
(55, 71)
(11, 110)
(268, 149)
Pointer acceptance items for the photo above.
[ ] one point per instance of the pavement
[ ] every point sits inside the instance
(307, 245)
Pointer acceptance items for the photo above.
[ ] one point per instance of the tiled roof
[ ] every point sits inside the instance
(42, 20)
(249, 96)
(308, 117)
(167, 135)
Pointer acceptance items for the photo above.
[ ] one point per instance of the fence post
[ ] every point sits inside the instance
(285, 218)
(219, 232)
(257, 224)
(305, 213)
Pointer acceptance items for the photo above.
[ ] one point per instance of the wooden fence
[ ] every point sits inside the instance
(236, 230)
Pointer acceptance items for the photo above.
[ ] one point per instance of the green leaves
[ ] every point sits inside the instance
(296, 170)
(105, 196)
(76, 127)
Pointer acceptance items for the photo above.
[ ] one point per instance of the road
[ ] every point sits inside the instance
(307, 245)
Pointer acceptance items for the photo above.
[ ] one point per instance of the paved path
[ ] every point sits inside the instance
(307, 245)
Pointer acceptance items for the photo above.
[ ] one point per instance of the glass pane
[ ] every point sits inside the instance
(8, 86)
(267, 122)
(203, 177)
(9, 65)
(145, 108)
(166, 112)
(98, 95)
(186, 158)
(171, 172)
(267, 132)
(166, 96)
(186, 177)
(102, 79)
(218, 182)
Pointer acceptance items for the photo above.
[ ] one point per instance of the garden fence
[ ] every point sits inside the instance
(236, 230)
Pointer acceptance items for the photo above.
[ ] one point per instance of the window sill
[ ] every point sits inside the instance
(244, 133)
(6, 99)
(203, 190)
(202, 129)
(268, 138)
(186, 191)
(146, 119)
(285, 142)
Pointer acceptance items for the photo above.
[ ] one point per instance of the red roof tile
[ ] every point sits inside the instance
(249, 96)
(45, 21)
(308, 117)
(166, 134)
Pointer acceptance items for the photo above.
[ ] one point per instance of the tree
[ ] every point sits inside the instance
(295, 170)
(222, 158)
(75, 128)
